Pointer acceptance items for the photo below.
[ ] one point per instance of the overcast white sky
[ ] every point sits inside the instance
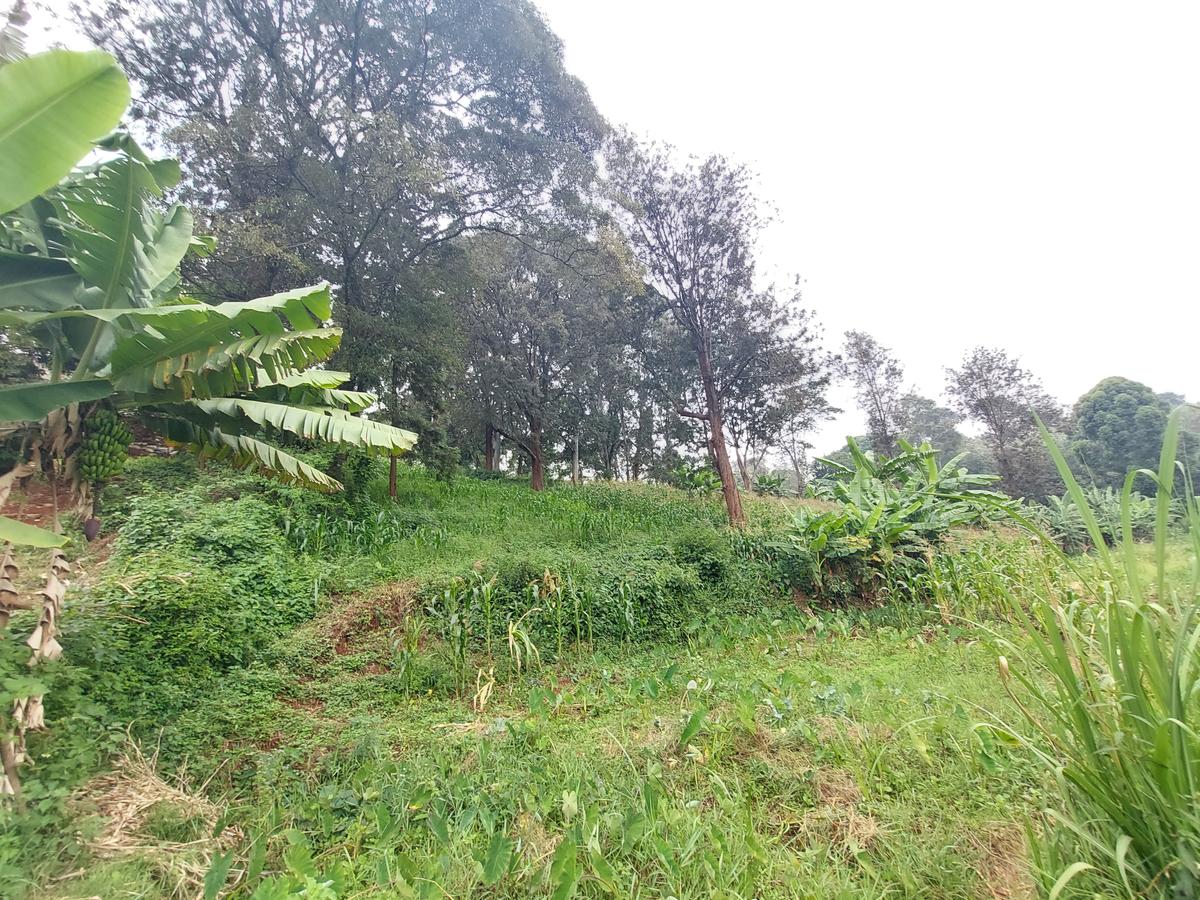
(1022, 174)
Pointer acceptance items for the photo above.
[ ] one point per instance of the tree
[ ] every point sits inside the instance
(356, 141)
(536, 329)
(796, 446)
(693, 229)
(921, 420)
(1119, 427)
(993, 389)
(89, 263)
(878, 378)
(776, 380)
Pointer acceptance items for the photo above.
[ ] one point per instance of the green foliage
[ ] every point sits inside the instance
(1062, 519)
(769, 484)
(653, 690)
(1118, 427)
(197, 586)
(1111, 689)
(91, 268)
(55, 105)
(890, 515)
(697, 479)
(705, 550)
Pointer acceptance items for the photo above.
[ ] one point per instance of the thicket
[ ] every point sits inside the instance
(884, 520)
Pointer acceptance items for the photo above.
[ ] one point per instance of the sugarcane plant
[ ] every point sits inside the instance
(89, 272)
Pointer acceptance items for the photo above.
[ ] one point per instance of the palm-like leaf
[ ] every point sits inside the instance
(33, 402)
(28, 535)
(328, 424)
(106, 223)
(37, 282)
(195, 331)
(314, 387)
(231, 367)
(244, 451)
(52, 106)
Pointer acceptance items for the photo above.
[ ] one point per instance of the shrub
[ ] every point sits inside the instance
(890, 515)
(1063, 520)
(768, 484)
(697, 479)
(705, 550)
(195, 588)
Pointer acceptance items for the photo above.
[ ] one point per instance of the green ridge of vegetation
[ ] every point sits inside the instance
(730, 741)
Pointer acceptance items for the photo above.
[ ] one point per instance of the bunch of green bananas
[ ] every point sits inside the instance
(104, 446)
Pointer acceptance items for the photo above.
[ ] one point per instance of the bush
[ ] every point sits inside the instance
(1062, 518)
(195, 588)
(705, 550)
(890, 515)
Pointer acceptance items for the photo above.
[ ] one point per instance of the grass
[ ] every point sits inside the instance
(767, 752)
(1110, 689)
(837, 759)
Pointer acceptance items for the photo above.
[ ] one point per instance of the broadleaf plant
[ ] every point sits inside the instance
(90, 266)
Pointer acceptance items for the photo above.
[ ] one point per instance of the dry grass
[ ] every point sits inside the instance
(837, 788)
(128, 797)
(535, 841)
(380, 607)
(1001, 865)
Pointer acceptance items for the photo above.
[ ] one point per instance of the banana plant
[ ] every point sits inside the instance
(89, 266)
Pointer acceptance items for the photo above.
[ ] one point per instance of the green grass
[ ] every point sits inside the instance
(832, 760)
(741, 747)
(1110, 694)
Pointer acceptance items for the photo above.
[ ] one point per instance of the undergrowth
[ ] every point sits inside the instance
(479, 690)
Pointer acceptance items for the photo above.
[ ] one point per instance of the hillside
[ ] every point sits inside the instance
(650, 711)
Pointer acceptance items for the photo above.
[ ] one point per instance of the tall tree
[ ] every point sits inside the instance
(878, 380)
(1118, 427)
(693, 228)
(777, 379)
(536, 329)
(922, 420)
(353, 140)
(993, 389)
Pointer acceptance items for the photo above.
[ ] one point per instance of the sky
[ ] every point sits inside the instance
(943, 174)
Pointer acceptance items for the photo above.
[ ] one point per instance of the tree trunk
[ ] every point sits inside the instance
(489, 448)
(716, 441)
(643, 442)
(1006, 469)
(392, 477)
(537, 467)
(743, 468)
(575, 459)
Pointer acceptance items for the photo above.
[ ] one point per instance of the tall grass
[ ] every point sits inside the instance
(1110, 684)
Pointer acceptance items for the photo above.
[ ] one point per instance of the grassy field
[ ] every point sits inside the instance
(318, 725)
